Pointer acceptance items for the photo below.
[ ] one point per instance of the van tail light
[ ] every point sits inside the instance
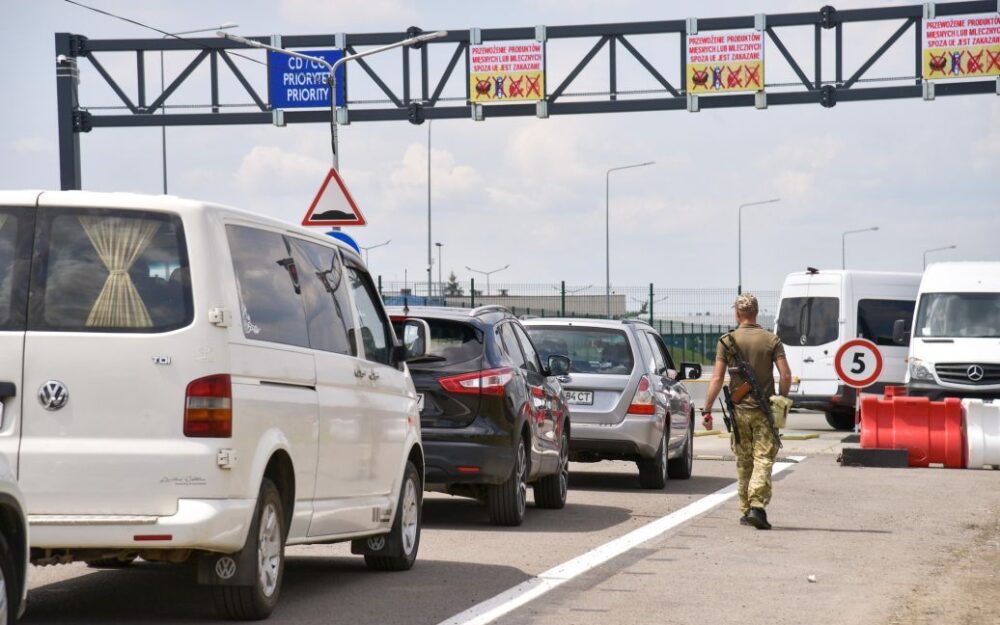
(642, 403)
(488, 382)
(208, 407)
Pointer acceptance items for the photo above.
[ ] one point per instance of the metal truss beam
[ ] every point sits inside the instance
(402, 103)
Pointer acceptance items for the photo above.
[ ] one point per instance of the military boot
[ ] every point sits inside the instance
(744, 520)
(758, 518)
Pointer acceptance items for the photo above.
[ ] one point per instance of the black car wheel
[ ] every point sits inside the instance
(404, 538)
(9, 589)
(506, 502)
(267, 539)
(680, 468)
(653, 471)
(841, 419)
(551, 490)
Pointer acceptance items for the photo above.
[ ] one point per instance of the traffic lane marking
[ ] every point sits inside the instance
(527, 591)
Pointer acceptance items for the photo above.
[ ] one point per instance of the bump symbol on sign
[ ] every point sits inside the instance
(334, 205)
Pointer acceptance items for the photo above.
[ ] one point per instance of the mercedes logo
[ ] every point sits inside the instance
(975, 372)
(53, 395)
(225, 567)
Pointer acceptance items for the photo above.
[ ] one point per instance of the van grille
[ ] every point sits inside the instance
(967, 372)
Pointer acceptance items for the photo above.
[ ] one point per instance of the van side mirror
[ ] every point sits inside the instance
(558, 365)
(689, 371)
(416, 338)
(900, 332)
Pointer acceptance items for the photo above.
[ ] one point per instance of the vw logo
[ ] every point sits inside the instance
(53, 395)
(975, 373)
(376, 543)
(225, 567)
(803, 340)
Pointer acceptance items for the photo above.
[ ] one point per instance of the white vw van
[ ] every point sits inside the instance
(187, 382)
(955, 349)
(820, 311)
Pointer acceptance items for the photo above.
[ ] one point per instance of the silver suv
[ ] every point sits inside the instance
(624, 393)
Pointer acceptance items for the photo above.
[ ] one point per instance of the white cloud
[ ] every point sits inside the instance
(448, 179)
(32, 146)
(272, 167)
(346, 13)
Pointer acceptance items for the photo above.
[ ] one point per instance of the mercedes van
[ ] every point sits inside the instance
(821, 310)
(189, 383)
(955, 345)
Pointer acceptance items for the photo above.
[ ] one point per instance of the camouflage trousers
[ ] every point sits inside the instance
(754, 458)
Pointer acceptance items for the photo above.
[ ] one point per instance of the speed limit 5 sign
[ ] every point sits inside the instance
(858, 363)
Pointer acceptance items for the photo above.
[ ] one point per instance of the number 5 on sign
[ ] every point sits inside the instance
(858, 363)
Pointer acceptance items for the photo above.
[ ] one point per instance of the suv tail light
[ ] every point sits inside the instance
(642, 403)
(208, 407)
(488, 382)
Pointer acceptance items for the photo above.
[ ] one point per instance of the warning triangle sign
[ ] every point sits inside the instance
(334, 205)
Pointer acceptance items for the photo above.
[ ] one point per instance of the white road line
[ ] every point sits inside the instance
(527, 591)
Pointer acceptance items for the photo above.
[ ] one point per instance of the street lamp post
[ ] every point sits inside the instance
(487, 274)
(937, 249)
(739, 240)
(843, 243)
(371, 247)
(440, 283)
(607, 230)
(430, 258)
(163, 107)
(331, 80)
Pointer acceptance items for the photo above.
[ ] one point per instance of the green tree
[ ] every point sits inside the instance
(453, 288)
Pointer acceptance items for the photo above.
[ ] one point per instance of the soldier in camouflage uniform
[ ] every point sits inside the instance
(757, 449)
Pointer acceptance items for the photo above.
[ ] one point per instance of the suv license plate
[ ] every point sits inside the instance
(579, 398)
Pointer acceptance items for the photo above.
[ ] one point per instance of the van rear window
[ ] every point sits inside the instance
(876, 318)
(16, 232)
(809, 321)
(98, 270)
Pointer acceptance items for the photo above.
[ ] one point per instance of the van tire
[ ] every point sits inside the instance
(653, 471)
(551, 490)
(268, 531)
(10, 585)
(506, 502)
(117, 562)
(404, 537)
(680, 468)
(841, 419)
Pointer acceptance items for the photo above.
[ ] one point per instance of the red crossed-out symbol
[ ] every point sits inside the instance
(483, 88)
(533, 86)
(994, 60)
(733, 79)
(514, 90)
(938, 62)
(700, 78)
(753, 75)
(975, 63)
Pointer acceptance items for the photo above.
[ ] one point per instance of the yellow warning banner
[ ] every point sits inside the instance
(962, 46)
(725, 62)
(508, 71)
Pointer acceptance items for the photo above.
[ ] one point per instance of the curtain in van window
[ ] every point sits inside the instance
(119, 241)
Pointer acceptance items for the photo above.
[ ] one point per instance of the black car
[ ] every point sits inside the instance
(492, 417)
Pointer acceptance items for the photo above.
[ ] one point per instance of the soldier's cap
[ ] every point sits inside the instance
(746, 304)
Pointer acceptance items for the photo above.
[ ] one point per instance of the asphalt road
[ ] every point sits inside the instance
(869, 536)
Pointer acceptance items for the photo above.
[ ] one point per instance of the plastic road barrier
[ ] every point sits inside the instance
(930, 431)
(982, 433)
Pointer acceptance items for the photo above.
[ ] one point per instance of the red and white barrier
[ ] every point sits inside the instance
(982, 433)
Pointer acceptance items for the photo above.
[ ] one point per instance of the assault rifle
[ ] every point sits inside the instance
(750, 384)
(729, 417)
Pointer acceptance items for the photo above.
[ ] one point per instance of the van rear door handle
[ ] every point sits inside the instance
(7, 389)
(373, 375)
(359, 372)
(809, 359)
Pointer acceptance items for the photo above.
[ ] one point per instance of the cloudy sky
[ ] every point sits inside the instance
(530, 192)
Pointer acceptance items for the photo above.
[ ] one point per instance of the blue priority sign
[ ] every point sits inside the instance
(297, 83)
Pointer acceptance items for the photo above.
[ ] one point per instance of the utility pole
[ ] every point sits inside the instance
(607, 230)
(739, 241)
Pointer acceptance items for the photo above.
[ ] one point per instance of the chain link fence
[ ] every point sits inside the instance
(690, 320)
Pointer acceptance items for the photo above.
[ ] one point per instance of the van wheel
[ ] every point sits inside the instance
(680, 468)
(551, 490)
(267, 539)
(506, 502)
(10, 595)
(117, 562)
(841, 419)
(404, 538)
(653, 471)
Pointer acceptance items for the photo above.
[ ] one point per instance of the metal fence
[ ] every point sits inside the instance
(690, 320)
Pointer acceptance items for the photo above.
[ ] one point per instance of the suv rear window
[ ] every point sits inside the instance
(452, 342)
(809, 321)
(590, 350)
(99, 270)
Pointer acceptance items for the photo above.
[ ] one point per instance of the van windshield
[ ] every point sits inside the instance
(959, 315)
(590, 350)
(808, 321)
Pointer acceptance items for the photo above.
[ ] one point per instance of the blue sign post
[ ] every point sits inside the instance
(297, 83)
